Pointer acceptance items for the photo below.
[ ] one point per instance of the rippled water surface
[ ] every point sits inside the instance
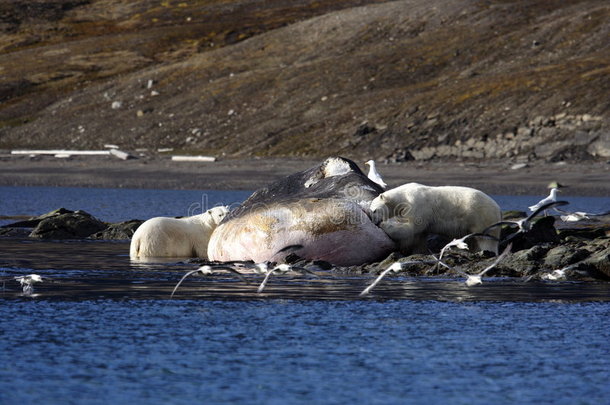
(303, 352)
(114, 205)
(102, 329)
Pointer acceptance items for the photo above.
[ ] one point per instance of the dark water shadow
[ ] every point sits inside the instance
(86, 270)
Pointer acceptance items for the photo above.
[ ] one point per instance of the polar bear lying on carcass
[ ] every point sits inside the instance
(412, 211)
(176, 237)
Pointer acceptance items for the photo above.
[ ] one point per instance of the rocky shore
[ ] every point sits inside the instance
(557, 138)
(563, 253)
(150, 169)
(581, 254)
(552, 250)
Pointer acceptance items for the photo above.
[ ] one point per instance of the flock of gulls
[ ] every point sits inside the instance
(521, 226)
(266, 270)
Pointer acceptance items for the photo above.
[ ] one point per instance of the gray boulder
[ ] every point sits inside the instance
(68, 225)
(600, 262)
(118, 231)
(601, 147)
(542, 231)
(564, 255)
(34, 221)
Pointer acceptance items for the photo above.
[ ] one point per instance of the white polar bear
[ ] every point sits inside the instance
(412, 211)
(176, 237)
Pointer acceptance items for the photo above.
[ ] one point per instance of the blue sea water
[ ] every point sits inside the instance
(304, 352)
(114, 205)
(102, 330)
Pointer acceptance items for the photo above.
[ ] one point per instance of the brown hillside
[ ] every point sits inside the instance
(403, 79)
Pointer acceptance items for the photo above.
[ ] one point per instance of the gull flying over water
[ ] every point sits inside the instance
(282, 268)
(474, 279)
(525, 224)
(578, 215)
(207, 270)
(558, 275)
(461, 242)
(27, 282)
(394, 268)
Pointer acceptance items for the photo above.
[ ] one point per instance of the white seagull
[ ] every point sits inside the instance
(283, 268)
(474, 279)
(579, 215)
(552, 197)
(461, 242)
(259, 268)
(207, 270)
(558, 275)
(374, 174)
(525, 224)
(28, 281)
(395, 268)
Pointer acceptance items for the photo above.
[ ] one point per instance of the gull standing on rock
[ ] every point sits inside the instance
(552, 197)
(374, 174)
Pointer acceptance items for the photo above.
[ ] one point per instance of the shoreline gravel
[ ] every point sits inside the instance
(160, 172)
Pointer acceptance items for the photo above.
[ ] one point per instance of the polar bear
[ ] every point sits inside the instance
(412, 211)
(176, 237)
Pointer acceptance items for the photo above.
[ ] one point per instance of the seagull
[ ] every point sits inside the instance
(261, 268)
(28, 281)
(282, 268)
(258, 268)
(558, 275)
(461, 242)
(525, 224)
(395, 268)
(578, 215)
(208, 271)
(554, 186)
(374, 174)
(474, 279)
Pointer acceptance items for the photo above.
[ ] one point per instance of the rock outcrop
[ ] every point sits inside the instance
(66, 224)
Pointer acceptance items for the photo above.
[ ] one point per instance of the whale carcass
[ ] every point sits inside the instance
(317, 214)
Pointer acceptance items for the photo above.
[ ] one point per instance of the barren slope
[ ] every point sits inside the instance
(402, 79)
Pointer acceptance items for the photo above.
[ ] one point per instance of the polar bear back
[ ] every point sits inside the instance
(166, 237)
(409, 213)
(449, 210)
(176, 237)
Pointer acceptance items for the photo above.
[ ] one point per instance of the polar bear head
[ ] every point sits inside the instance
(216, 214)
(390, 204)
(378, 203)
(379, 210)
